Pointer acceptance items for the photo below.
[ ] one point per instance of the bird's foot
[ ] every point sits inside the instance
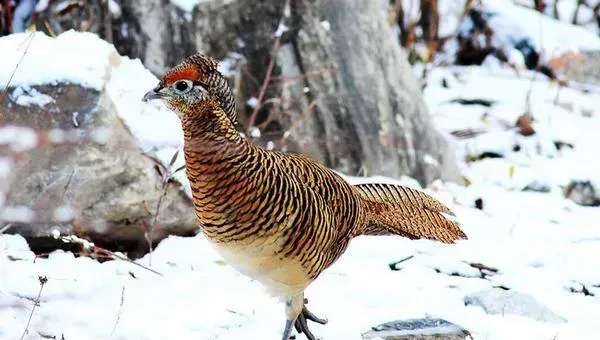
(301, 321)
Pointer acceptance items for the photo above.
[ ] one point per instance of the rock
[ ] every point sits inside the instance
(583, 193)
(417, 329)
(538, 186)
(524, 124)
(583, 68)
(107, 191)
(341, 91)
(500, 301)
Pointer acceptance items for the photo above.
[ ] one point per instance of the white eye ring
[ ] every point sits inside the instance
(182, 86)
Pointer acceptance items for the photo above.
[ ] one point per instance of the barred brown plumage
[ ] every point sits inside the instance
(280, 218)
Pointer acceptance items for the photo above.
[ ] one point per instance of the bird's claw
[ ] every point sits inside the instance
(301, 322)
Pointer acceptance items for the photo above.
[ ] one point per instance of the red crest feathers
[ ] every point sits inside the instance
(189, 72)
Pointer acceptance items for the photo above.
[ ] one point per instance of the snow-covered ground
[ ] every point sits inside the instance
(564, 115)
(540, 243)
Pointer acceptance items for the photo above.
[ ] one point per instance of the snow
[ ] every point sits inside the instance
(41, 6)
(281, 28)
(153, 125)
(186, 5)
(228, 65)
(254, 132)
(200, 297)
(25, 96)
(540, 243)
(566, 11)
(114, 8)
(510, 21)
(561, 114)
(71, 57)
(252, 102)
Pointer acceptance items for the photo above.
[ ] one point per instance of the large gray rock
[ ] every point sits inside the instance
(417, 329)
(500, 301)
(341, 91)
(111, 189)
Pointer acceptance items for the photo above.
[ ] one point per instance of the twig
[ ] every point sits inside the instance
(534, 78)
(43, 280)
(49, 29)
(90, 246)
(483, 269)
(584, 290)
(296, 122)
(107, 22)
(62, 197)
(393, 265)
(29, 40)
(481, 266)
(238, 313)
(117, 256)
(119, 312)
(5, 228)
(267, 78)
(165, 189)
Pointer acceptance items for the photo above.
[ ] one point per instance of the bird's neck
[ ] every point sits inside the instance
(208, 131)
(217, 159)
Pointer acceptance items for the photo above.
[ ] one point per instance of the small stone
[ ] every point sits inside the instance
(55, 233)
(537, 186)
(417, 329)
(583, 193)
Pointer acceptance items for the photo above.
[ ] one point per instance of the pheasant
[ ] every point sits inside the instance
(280, 218)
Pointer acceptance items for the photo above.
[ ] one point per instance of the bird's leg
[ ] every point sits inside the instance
(301, 324)
(287, 332)
(293, 308)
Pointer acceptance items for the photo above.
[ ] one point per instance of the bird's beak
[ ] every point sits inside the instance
(153, 94)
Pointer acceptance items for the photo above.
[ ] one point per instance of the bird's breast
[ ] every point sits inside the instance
(263, 261)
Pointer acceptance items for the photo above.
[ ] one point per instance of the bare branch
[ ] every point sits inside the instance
(267, 78)
(119, 312)
(43, 280)
(29, 40)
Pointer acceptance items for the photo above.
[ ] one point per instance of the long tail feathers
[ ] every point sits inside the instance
(398, 210)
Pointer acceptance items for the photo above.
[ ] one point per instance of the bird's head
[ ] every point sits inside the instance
(192, 83)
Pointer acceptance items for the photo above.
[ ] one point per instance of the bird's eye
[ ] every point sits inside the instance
(182, 86)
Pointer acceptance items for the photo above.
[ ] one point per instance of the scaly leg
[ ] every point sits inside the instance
(301, 324)
(287, 332)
